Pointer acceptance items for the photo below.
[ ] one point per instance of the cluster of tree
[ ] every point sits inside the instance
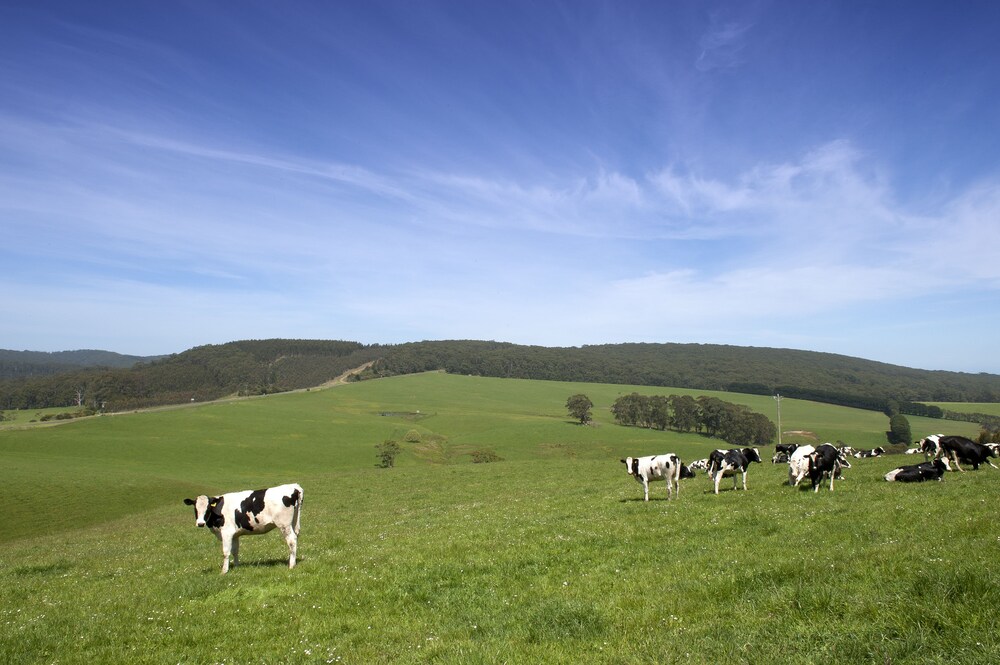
(822, 377)
(203, 373)
(733, 423)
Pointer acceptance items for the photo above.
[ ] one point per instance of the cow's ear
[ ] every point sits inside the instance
(216, 504)
(188, 502)
(622, 461)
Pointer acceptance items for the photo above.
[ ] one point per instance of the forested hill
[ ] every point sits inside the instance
(16, 364)
(822, 377)
(265, 366)
(206, 372)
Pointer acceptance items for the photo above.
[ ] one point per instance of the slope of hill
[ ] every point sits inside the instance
(206, 372)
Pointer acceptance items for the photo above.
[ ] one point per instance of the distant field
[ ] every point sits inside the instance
(989, 408)
(548, 556)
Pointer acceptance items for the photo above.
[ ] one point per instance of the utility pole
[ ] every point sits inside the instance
(777, 399)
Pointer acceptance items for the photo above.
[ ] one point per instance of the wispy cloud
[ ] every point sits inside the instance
(722, 45)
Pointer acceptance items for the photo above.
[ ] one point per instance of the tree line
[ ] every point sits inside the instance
(822, 377)
(735, 424)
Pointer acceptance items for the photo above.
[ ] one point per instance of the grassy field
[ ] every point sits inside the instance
(989, 408)
(548, 556)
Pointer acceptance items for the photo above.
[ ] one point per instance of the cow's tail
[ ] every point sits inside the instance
(298, 509)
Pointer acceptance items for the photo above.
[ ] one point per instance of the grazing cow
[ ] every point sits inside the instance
(782, 452)
(250, 512)
(826, 460)
(874, 452)
(958, 448)
(655, 467)
(699, 465)
(731, 462)
(918, 473)
(686, 472)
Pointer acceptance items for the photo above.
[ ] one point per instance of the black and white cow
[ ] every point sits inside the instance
(918, 473)
(723, 463)
(874, 452)
(655, 467)
(782, 452)
(699, 465)
(958, 448)
(826, 460)
(250, 512)
(798, 464)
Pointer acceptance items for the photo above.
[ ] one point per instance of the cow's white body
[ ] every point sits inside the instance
(655, 467)
(798, 464)
(251, 512)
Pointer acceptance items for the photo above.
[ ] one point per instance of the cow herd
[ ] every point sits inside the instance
(253, 512)
(818, 463)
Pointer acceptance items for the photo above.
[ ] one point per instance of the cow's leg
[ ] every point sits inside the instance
(954, 456)
(645, 490)
(832, 474)
(718, 477)
(236, 550)
(744, 481)
(227, 546)
(292, 540)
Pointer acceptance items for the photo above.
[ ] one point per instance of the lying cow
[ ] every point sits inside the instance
(731, 462)
(250, 512)
(826, 460)
(699, 465)
(874, 452)
(958, 448)
(918, 473)
(655, 467)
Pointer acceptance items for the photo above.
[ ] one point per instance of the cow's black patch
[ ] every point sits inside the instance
(213, 516)
(290, 501)
(252, 505)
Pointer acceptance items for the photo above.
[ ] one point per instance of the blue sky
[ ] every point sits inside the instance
(811, 175)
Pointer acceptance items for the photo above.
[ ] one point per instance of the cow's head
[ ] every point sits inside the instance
(752, 454)
(931, 445)
(631, 465)
(207, 509)
(843, 459)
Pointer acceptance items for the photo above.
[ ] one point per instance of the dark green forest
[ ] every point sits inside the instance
(265, 366)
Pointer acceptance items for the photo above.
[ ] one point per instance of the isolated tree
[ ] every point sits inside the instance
(899, 429)
(387, 451)
(579, 407)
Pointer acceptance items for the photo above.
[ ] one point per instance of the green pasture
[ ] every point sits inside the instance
(548, 556)
(989, 408)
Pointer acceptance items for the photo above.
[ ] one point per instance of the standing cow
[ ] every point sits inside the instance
(722, 463)
(655, 467)
(826, 460)
(958, 449)
(250, 512)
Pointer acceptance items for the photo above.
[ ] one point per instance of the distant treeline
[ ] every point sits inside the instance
(822, 377)
(206, 372)
(733, 423)
(25, 364)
